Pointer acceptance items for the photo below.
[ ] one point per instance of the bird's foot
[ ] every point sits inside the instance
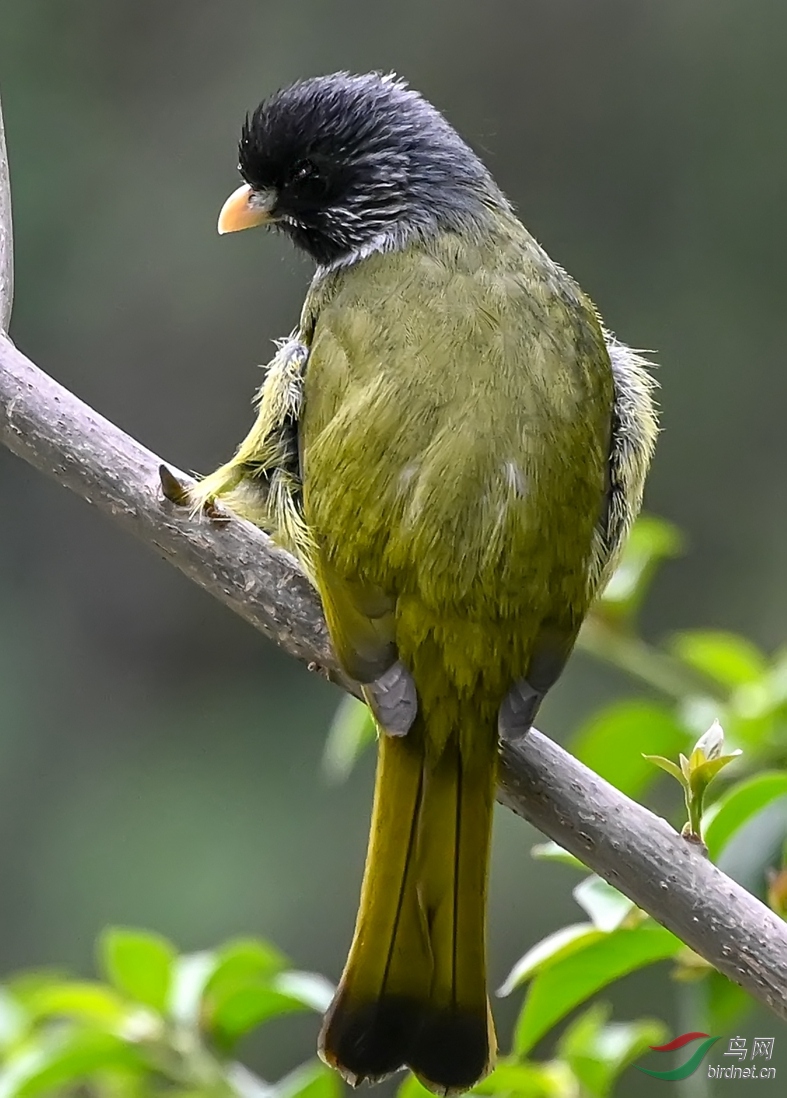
(393, 700)
(518, 711)
(200, 498)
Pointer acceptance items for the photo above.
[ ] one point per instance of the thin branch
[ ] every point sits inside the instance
(6, 236)
(623, 842)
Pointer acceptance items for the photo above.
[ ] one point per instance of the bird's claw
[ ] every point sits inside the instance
(172, 488)
(189, 495)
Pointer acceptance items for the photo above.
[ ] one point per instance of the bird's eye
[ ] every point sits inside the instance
(304, 170)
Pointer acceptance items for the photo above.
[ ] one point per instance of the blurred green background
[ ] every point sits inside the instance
(159, 761)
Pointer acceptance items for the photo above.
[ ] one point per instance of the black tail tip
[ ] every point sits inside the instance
(449, 1050)
(368, 1041)
(455, 1050)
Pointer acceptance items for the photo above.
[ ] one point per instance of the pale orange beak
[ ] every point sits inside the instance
(244, 209)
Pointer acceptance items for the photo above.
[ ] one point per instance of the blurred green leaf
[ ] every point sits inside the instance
(561, 943)
(64, 1060)
(729, 659)
(411, 1088)
(24, 985)
(352, 730)
(651, 541)
(613, 742)
(598, 1052)
(13, 1019)
(79, 999)
(739, 805)
(775, 682)
(311, 1080)
(139, 964)
(569, 981)
(551, 852)
(242, 1010)
(606, 906)
(241, 993)
(519, 1080)
(242, 960)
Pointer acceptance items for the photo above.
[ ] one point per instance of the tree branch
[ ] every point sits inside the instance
(623, 842)
(6, 236)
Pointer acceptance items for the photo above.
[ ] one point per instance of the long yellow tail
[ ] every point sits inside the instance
(414, 988)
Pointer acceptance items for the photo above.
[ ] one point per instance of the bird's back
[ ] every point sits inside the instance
(456, 428)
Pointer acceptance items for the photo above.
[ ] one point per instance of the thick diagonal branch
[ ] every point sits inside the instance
(626, 844)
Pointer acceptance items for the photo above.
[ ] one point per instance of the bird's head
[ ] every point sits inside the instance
(350, 165)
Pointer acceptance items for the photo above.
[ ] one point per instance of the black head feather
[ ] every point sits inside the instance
(361, 163)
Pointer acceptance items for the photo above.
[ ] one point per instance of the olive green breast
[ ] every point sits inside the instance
(456, 428)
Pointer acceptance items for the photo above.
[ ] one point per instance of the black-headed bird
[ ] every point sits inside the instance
(455, 449)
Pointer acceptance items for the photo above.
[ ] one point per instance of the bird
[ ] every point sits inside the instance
(455, 449)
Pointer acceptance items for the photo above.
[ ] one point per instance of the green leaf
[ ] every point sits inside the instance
(651, 541)
(139, 964)
(244, 960)
(247, 1008)
(702, 773)
(551, 852)
(561, 943)
(242, 993)
(606, 906)
(729, 659)
(613, 741)
(569, 981)
(669, 766)
(739, 805)
(352, 730)
(598, 1052)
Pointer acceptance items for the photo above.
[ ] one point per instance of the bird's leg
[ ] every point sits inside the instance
(551, 649)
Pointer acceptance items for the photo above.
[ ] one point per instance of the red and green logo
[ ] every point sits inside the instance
(693, 1061)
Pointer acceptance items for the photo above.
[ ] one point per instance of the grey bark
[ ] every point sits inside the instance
(623, 842)
(6, 236)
